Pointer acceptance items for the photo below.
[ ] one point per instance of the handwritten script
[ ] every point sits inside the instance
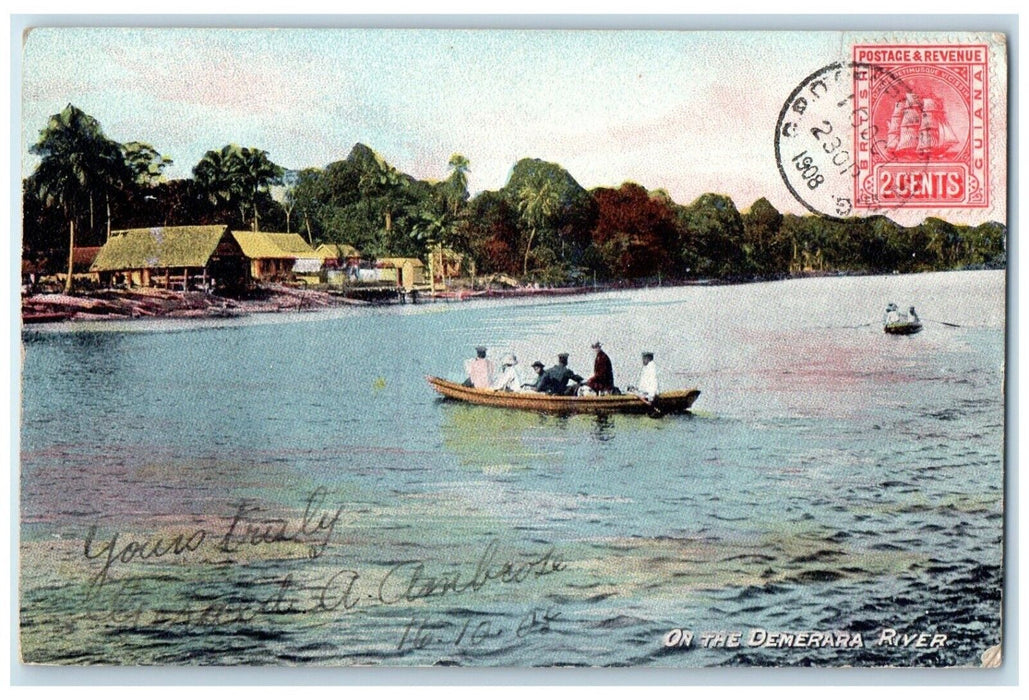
(193, 579)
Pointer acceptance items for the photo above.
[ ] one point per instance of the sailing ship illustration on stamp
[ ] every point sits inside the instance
(927, 138)
(919, 129)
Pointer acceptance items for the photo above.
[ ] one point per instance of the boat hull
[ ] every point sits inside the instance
(902, 328)
(669, 402)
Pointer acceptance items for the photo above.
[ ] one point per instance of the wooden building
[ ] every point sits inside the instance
(83, 259)
(277, 255)
(406, 273)
(338, 255)
(446, 264)
(172, 257)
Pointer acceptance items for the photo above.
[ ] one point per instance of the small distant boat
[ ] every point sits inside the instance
(668, 402)
(903, 327)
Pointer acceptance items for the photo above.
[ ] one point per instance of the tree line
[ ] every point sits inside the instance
(540, 226)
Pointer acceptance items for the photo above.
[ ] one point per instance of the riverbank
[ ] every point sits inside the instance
(118, 304)
(142, 303)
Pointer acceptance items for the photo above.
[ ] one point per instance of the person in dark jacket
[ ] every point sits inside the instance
(556, 378)
(603, 379)
(537, 383)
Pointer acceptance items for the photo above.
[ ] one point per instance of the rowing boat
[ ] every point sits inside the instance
(903, 327)
(667, 402)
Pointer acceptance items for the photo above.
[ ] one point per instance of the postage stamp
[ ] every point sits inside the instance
(927, 134)
(518, 348)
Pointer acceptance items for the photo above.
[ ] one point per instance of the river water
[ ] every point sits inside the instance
(288, 489)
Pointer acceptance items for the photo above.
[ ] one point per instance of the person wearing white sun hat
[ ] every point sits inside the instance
(508, 379)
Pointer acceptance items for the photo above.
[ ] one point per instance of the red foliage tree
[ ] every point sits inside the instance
(635, 231)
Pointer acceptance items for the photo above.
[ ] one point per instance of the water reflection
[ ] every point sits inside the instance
(493, 438)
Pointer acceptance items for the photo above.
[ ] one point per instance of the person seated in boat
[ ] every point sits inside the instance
(508, 379)
(479, 370)
(912, 316)
(556, 378)
(537, 383)
(646, 388)
(603, 379)
(892, 314)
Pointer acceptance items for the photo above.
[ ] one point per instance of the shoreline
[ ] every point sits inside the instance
(154, 303)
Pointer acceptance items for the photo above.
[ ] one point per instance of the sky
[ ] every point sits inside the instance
(687, 112)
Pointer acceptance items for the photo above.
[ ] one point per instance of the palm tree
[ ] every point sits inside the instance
(383, 181)
(538, 201)
(256, 173)
(304, 196)
(458, 181)
(236, 176)
(215, 175)
(433, 228)
(78, 164)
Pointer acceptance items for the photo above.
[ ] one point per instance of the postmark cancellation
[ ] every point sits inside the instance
(908, 129)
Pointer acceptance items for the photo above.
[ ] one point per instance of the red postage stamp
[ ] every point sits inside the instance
(926, 139)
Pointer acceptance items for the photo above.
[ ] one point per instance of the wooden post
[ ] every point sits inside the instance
(71, 256)
(432, 271)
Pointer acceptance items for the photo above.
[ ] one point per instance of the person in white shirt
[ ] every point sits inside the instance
(508, 379)
(647, 387)
(892, 314)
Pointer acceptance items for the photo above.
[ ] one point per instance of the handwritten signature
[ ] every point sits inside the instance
(245, 530)
(117, 596)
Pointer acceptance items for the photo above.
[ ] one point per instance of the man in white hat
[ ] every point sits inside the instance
(508, 379)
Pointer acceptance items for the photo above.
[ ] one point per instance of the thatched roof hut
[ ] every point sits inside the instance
(276, 254)
(335, 254)
(159, 247)
(170, 255)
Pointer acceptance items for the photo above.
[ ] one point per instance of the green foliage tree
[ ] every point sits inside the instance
(145, 162)
(384, 183)
(435, 224)
(456, 190)
(569, 212)
(237, 177)
(761, 241)
(537, 204)
(712, 237)
(78, 165)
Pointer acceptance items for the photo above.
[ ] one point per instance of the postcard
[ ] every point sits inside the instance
(512, 348)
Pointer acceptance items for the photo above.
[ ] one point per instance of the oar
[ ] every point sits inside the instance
(952, 325)
(655, 412)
